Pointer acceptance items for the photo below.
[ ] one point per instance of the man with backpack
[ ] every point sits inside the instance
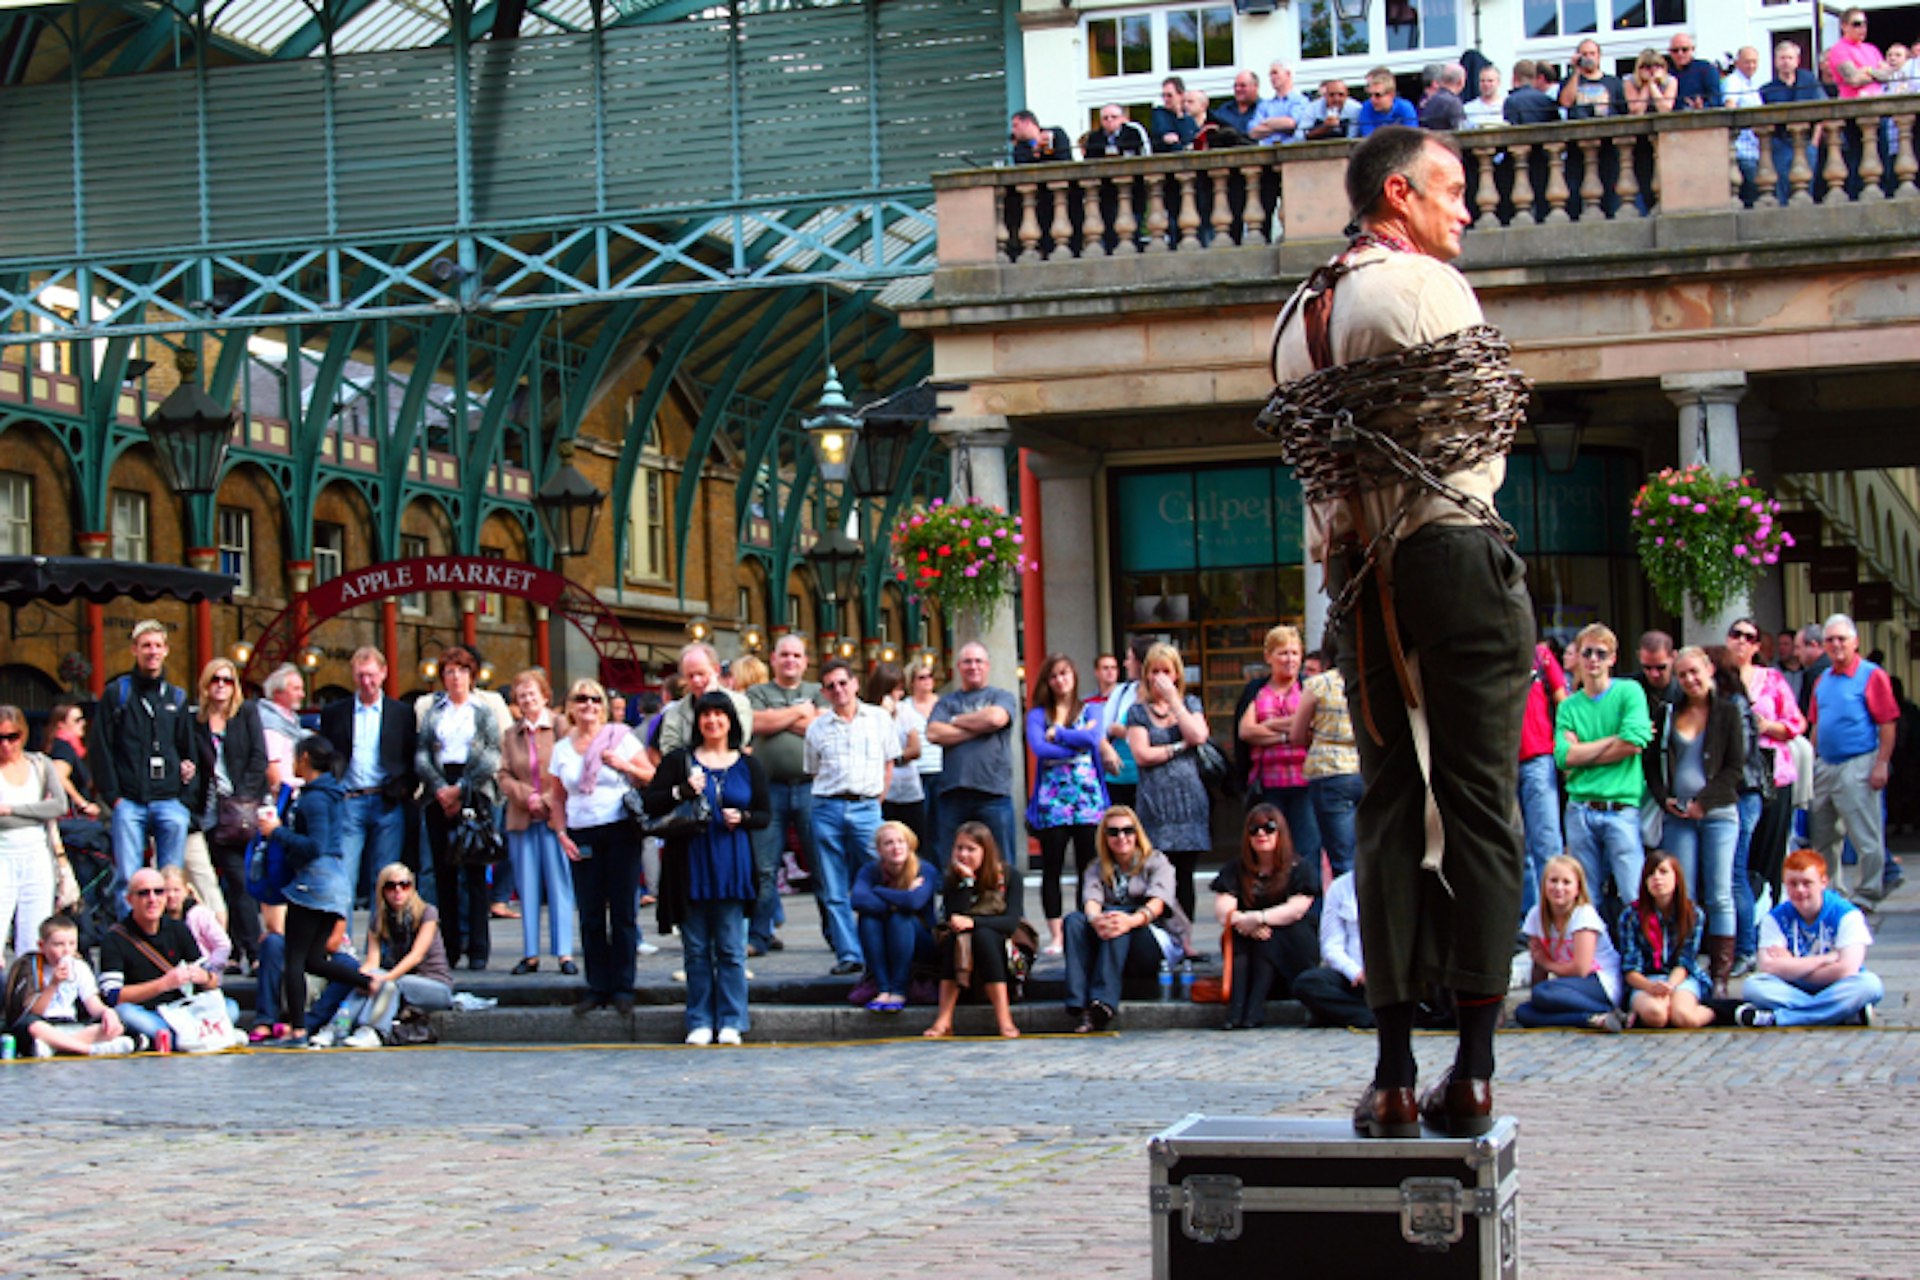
(141, 749)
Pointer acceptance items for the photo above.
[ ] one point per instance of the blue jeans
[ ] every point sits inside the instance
(1334, 801)
(1606, 841)
(541, 871)
(1564, 1002)
(714, 937)
(372, 834)
(1097, 967)
(1746, 929)
(843, 841)
(892, 943)
(430, 994)
(1795, 1006)
(1705, 849)
(132, 823)
(1539, 793)
(792, 804)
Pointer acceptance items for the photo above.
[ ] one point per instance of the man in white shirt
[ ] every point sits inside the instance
(1741, 89)
(1486, 111)
(849, 753)
(1813, 955)
(1335, 993)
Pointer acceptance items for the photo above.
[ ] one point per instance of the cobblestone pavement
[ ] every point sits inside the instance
(1640, 1155)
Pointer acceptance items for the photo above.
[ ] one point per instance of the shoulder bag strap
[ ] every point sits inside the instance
(141, 944)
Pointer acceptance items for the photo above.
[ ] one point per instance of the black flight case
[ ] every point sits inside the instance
(1254, 1196)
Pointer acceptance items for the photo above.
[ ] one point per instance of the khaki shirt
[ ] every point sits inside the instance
(1389, 301)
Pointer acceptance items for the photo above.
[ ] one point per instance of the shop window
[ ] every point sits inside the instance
(1421, 24)
(1198, 39)
(1629, 15)
(236, 548)
(1121, 46)
(329, 551)
(129, 527)
(647, 515)
(1543, 18)
(1324, 34)
(16, 514)
(412, 548)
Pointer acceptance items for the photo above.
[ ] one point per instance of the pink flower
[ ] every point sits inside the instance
(1674, 499)
(1740, 550)
(973, 571)
(966, 524)
(986, 542)
(1019, 538)
(1786, 540)
(1771, 558)
(1699, 508)
(1660, 542)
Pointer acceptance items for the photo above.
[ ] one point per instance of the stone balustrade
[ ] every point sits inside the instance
(1622, 168)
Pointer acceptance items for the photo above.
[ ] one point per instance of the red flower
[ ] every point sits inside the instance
(946, 550)
(923, 557)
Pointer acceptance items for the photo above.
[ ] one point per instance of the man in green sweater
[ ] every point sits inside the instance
(1599, 731)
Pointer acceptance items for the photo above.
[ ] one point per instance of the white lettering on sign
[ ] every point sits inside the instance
(1178, 507)
(378, 581)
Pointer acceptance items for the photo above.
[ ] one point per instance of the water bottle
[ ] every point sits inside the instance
(1186, 980)
(1166, 983)
(342, 1025)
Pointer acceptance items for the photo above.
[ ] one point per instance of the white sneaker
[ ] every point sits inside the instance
(701, 1037)
(729, 1035)
(118, 1047)
(365, 1038)
(679, 975)
(41, 1049)
(321, 1039)
(748, 972)
(648, 949)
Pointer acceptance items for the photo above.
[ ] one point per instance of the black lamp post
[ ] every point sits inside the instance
(190, 432)
(836, 559)
(1559, 445)
(569, 506)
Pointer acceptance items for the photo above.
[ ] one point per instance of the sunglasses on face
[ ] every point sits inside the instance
(1596, 653)
(219, 679)
(1751, 637)
(11, 737)
(1118, 833)
(583, 699)
(1264, 829)
(399, 884)
(146, 893)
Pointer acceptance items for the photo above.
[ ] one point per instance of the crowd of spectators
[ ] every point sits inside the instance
(1659, 808)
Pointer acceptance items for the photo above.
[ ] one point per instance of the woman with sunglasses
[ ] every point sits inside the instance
(66, 745)
(1266, 898)
(539, 867)
(31, 800)
(1129, 925)
(593, 767)
(231, 774)
(1766, 812)
(714, 889)
(404, 950)
(1693, 774)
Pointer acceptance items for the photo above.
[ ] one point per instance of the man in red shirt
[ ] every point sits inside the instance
(1539, 787)
(1853, 719)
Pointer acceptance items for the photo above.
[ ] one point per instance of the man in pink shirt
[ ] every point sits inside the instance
(1856, 68)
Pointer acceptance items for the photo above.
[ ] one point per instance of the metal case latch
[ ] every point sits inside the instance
(1212, 1210)
(1430, 1212)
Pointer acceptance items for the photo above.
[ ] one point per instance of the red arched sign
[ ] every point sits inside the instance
(620, 664)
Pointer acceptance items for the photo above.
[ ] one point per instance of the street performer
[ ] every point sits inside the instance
(1397, 405)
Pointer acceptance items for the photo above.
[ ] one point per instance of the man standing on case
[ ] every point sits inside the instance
(1397, 406)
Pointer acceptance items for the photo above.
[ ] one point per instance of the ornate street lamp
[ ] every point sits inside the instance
(190, 432)
(569, 506)
(886, 434)
(833, 430)
(1559, 445)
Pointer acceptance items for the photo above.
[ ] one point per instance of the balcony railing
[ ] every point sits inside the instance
(1623, 168)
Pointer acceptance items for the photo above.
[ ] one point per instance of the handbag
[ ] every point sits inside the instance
(1213, 764)
(201, 1024)
(687, 817)
(235, 820)
(1218, 990)
(268, 872)
(475, 840)
(1022, 945)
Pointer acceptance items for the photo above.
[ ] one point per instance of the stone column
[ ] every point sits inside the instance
(1709, 435)
(1071, 597)
(979, 448)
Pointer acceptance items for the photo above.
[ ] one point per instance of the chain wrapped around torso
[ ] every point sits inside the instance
(1407, 418)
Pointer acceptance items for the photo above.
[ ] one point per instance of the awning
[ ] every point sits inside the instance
(58, 579)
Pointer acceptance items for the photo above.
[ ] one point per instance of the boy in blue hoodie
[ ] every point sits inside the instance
(1813, 952)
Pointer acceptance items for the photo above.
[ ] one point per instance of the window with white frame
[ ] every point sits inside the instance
(236, 548)
(1545, 18)
(329, 551)
(1325, 34)
(16, 514)
(647, 519)
(412, 548)
(1180, 39)
(1422, 24)
(129, 525)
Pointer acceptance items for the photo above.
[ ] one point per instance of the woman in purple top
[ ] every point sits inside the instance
(1069, 793)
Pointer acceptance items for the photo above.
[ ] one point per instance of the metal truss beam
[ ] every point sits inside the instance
(845, 240)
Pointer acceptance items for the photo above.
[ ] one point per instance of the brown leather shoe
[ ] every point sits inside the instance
(1387, 1113)
(1458, 1108)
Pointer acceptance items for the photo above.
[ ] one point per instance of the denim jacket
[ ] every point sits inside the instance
(311, 837)
(1636, 952)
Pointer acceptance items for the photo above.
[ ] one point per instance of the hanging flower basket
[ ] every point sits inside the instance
(1704, 538)
(960, 555)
